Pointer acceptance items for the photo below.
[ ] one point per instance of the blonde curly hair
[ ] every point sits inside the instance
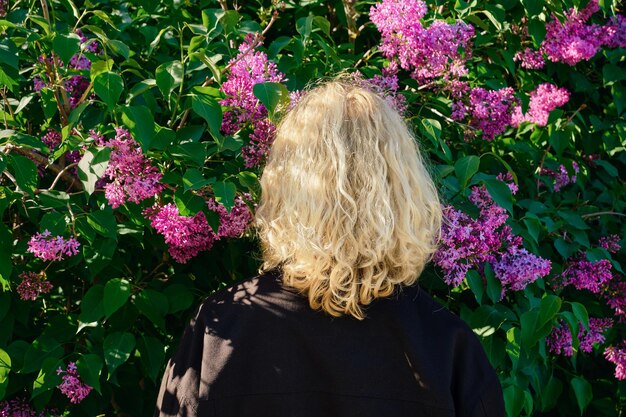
(348, 209)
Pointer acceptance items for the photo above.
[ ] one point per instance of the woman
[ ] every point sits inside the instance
(334, 326)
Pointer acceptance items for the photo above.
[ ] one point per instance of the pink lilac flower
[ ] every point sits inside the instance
(386, 86)
(560, 340)
(545, 98)
(490, 110)
(72, 387)
(19, 407)
(561, 178)
(52, 248)
(439, 50)
(131, 175)
(610, 243)
(185, 236)
(529, 59)
(247, 69)
(294, 98)
(32, 285)
(617, 356)
(583, 274)
(458, 110)
(234, 223)
(573, 40)
(507, 178)
(615, 296)
(595, 334)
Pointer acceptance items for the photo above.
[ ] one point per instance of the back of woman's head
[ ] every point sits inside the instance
(348, 210)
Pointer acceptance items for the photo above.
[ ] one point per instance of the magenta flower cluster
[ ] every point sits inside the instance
(386, 86)
(186, 236)
(617, 356)
(615, 296)
(130, 175)
(562, 177)
(467, 243)
(428, 52)
(75, 85)
(559, 341)
(72, 387)
(52, 248)
(610, 243)
(574, 40)
(248, 68)
(529, 59)
(19, 407)
(52, 139)
(32, 285)
(587, 275)
(490, 110)
(545, 98)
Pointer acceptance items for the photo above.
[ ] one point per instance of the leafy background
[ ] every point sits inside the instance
(119, 305)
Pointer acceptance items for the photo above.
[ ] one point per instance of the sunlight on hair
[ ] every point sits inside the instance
(348, 209)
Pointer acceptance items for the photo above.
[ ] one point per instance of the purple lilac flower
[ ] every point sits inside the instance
(529, 59)
(72, 387)
(615, 296)
(595, 334)
(573, 40)
(545, 98)
(467, 243)
(32, 285)
(19, 407)
(248, 68)
(617, 356)
(517, 268)
(615, 32)
(131, 175)
(386, 86)
(490, 110)
(610, 243)
(561, 178)
(52, 248)
(583, 274)
(51, 139)
(436, 51)
(234, 223)
(560, 340)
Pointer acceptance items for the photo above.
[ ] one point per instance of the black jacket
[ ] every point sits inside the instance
(258, 349)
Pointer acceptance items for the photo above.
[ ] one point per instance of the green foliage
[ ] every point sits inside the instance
(118, 307)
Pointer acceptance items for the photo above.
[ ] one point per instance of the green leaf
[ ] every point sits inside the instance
(180, 297)
(89, 368)
(91, 306)
(612, 73)
(47, 379)
(271, 95)
(119, 48)
(583, 392)
(533, 7)
(54, 222)
(117, 349)
(140, 121)
(152, 352)
(66, 45)
(25, 172)
(494, 286)
(537, 31)
(103, 222)
(580, 312)
(225, 193)
(116, 292)
(9, 53)
(465, 168)
(501, 193)
(5, 368)
(194, 180)
(188, 203)
(109, 86)
(513, 400)
(153, 305)
(476, 284)
(191, 151)
(210, 110)
(169, 76)
(91, 167)
(551, 393)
